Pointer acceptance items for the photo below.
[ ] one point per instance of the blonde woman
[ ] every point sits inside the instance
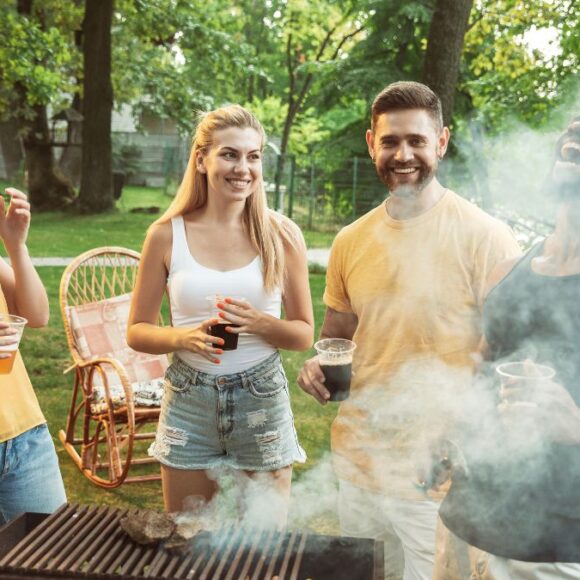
(218, 237)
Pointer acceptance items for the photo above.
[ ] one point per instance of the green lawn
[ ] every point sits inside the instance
(61, 234)
(46, 355)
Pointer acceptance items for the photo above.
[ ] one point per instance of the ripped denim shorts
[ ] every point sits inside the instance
(242, 420)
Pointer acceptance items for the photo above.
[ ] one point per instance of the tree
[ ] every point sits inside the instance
(72, 155)
(315, 37)
(32, 50)
(175, 57)
(444, 50)
(96, 193)
(505, 80)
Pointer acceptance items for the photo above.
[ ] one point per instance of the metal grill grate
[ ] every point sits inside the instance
(88, 542)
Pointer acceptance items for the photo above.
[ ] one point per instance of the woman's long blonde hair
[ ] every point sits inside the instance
(267, 230)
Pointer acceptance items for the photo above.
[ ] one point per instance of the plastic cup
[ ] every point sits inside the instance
(523, 375)
(335, 358)
(219, 330)
(9, 342)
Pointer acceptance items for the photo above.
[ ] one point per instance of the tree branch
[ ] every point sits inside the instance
(309, 77)
(476, 21)
(289, 64)
(345, 39)
(324, 44)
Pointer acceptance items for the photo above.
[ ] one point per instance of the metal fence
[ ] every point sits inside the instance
(318, 197)
(314, 195)
(160, 160)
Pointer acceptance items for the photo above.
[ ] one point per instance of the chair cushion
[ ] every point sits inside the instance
(145, 394)
(100, 330)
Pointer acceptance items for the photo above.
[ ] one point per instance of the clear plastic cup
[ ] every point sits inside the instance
(523, 375)
(335, 358)
(9, 342)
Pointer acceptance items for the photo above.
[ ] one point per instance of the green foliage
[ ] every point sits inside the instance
(504, 79)
(37, 54)
(175, 57)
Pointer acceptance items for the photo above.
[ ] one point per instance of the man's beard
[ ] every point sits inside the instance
(426, 174)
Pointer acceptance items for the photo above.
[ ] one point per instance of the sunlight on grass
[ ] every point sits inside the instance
(62, 234)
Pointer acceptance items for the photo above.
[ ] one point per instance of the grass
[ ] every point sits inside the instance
(46, 356)
(61, 234)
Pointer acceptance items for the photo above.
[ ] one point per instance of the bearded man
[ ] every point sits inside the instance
(405, 282)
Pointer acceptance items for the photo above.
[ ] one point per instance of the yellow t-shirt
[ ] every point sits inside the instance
(19, 408)
(417, 288)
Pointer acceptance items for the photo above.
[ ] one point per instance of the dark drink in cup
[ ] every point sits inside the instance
(337, 380)
(335, 359)
(230, 339)
(219, 330)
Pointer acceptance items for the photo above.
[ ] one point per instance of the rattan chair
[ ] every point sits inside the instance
(105, 435)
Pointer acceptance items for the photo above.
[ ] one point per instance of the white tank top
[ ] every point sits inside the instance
(188, 285)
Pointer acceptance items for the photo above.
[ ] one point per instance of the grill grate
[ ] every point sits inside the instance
(88, 542)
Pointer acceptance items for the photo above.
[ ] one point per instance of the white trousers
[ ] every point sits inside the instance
(407, 528)
(503, 569)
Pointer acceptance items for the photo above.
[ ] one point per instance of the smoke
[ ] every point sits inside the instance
(314, 499)
(508, 173)
(256, 501)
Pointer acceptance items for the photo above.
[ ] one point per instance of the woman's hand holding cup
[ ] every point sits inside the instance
(241, 315)
(199, 340)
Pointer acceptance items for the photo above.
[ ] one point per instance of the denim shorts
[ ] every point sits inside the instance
(241, 420)
(30, 479)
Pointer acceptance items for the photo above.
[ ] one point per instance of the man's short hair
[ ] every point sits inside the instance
(404, 95)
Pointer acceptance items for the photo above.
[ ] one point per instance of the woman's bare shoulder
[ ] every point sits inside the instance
(159, 240)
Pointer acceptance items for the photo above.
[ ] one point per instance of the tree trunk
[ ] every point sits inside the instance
(72, 157)
(47, 188)
(444, 48)
(11, 149)
(96, 194)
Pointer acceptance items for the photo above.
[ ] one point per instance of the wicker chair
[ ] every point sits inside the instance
(105, 427)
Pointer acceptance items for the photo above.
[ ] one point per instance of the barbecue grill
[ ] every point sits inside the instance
(88, 542)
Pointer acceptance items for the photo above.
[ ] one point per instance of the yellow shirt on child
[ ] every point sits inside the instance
(19, 408)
